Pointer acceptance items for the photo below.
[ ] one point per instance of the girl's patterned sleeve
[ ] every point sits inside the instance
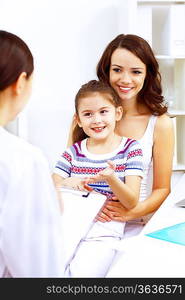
(134, 162)
(63, 164)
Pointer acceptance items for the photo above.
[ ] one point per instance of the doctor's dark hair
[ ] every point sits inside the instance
(151, 93)
(86, 90)
(15, 58)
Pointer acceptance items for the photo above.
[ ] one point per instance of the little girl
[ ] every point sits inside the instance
(103, 161)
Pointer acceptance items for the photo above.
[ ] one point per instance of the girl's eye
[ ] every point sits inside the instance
(88, 114)
(103, 111)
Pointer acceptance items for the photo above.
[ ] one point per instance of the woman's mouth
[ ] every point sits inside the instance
(124, 89)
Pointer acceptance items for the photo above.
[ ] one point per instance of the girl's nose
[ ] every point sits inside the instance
(97, 118)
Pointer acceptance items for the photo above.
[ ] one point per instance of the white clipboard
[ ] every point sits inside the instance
(79, 210)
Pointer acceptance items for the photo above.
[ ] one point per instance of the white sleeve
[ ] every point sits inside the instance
(31, 224)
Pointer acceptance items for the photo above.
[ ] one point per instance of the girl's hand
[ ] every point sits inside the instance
(102, 175)
(76, 183)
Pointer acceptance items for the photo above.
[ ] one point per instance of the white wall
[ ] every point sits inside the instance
(67, 39)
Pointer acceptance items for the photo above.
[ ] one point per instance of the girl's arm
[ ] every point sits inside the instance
(162, 169)
(58, 180)
(127, 193)
(62, 174)
(71, 182)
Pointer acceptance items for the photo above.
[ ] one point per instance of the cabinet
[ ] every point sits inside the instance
(162, 24)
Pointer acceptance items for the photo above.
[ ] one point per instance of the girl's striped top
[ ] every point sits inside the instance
(77, 161)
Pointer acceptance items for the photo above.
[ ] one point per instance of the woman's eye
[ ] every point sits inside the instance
(137, 72)
(117, 70)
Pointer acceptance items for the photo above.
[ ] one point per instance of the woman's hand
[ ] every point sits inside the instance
(114, 210)
(104, 215)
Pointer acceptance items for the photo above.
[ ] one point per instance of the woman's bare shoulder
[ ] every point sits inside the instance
(164, 122)
(164, 128)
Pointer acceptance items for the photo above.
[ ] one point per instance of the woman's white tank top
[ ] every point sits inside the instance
(146, 143)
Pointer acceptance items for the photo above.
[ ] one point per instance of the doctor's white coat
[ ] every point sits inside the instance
(30, 221)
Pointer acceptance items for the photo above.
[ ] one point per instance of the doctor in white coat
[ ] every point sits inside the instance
(30, 222)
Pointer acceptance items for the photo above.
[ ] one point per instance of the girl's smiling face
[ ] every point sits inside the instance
(97, 116)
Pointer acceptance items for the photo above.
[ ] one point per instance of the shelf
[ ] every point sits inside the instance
(160, 1)
(165, 32)
(169, 57)
(179, 167)
(175, 112)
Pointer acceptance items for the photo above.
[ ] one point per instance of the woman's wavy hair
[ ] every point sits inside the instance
(15, 58)
(86, 90)
(151, 93)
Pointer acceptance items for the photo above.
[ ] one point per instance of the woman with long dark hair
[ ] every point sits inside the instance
(128, 64)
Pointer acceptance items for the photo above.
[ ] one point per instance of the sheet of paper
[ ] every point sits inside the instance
(79, 211)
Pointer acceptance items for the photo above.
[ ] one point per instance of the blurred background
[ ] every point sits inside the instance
(67, 38)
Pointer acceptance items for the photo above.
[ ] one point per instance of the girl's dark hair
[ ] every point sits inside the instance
(151, 93)
(93, 86)
(15, 58)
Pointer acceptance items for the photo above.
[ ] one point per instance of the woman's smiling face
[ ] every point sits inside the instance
(127, 74)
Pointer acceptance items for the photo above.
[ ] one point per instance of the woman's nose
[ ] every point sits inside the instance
(125, 77)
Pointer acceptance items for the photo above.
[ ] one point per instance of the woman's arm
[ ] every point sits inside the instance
(162, 169)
